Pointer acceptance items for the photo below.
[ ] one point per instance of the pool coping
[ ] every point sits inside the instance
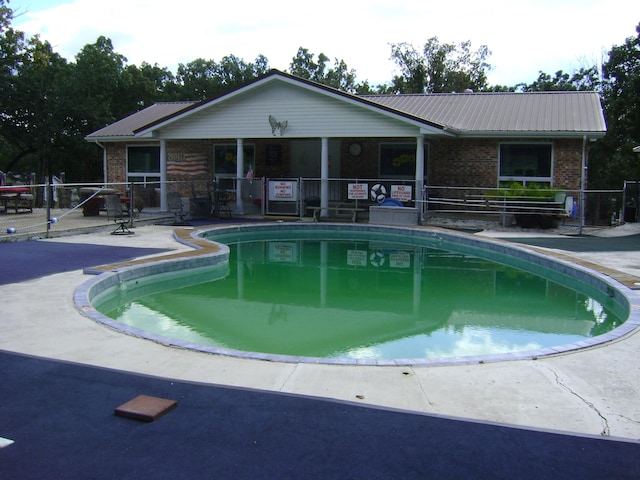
(206, 252)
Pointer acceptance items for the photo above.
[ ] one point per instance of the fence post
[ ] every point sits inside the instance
(300, 197)
(131, 203)
(424, 204)
(47, 198)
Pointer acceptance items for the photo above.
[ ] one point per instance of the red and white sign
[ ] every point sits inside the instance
(402, 192)
(283, 191)
(358, 191)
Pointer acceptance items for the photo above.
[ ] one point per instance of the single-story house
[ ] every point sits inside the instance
(281, 127)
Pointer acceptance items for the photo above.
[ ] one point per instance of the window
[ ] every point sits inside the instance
(225, 158)
(526, 163)
(398, 160)
(143, 164)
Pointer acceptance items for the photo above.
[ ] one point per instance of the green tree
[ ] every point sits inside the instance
(147, 84)
(12, 56)
(612, 159)
(201, 79)
(36, 120)
(98, 77)
(583, 79)
(233, 72)
(439, 67)
(340, 76)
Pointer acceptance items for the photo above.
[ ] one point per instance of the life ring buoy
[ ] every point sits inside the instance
(378, 193)
(377, 258)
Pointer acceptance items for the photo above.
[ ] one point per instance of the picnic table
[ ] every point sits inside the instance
(16, 198)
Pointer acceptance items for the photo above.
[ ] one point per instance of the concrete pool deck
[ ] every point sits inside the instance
(591, 392)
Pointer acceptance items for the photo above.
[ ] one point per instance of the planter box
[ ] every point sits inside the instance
(393, 215)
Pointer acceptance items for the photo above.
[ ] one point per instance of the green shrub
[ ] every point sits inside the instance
(516, 190)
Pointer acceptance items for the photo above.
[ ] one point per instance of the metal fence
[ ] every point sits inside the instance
(37, 210)
(344, 196)
(631, 201)
(589, 207)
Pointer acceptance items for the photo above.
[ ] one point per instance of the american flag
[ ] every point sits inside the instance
(191, 164)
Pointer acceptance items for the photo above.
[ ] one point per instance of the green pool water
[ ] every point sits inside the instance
(359, 299)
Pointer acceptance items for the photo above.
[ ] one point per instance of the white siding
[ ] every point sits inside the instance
(308, 113)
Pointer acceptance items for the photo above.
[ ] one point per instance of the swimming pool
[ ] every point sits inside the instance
(385, 266)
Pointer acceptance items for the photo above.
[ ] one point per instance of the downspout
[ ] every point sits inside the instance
(104, 162)
(164, 193)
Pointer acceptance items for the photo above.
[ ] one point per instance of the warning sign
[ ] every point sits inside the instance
(402, 192)
(358, 191)
(283, 191)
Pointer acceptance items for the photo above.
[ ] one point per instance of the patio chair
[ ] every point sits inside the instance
(174, 201)
(221, 204)
(116, 213)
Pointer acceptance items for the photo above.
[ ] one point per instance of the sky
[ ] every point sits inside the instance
(524, 36)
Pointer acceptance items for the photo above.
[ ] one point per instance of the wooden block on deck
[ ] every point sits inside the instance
(145, 408)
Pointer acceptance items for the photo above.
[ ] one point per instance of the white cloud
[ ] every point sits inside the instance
(525, 37)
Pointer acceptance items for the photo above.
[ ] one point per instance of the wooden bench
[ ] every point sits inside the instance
(353, 210)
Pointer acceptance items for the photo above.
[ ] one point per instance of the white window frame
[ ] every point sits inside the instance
(143, 177)
(527, 179)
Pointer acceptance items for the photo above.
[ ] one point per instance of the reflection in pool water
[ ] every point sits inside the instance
(361, 298)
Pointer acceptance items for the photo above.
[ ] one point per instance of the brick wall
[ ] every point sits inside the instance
(568, 163)
(451, 162)
(467, 162)
(366, 164)
(116, 162)
(474, 162)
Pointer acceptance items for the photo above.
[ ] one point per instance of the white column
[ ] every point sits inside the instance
(324, 177)
(164, 204)
(239, 175)
(419, 168)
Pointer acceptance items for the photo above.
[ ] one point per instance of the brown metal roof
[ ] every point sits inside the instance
(505, 113)
(127, 126)
(467, 114)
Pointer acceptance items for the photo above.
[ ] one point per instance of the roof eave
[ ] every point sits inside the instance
(107, 138)
(118, 138)
(531, 134)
